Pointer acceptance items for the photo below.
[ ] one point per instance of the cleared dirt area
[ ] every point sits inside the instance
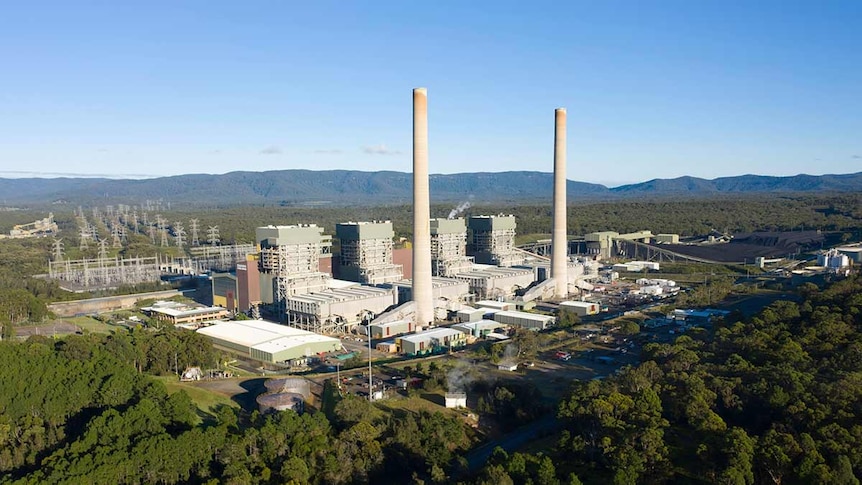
(48, 330)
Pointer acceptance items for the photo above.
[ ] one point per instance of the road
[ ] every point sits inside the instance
(477, 458)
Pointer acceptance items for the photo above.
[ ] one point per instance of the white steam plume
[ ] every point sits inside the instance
(461, 208)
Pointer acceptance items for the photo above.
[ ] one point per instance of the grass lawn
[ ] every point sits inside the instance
(91, 325)
(422, 401)
(205, 400)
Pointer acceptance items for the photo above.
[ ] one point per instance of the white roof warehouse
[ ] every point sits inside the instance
(269, 342)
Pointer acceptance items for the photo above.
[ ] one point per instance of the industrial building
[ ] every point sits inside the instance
(449, 247)
(480, 328)
(667, 238)
(239, 290)
(431, 341)
(532, 321)
(854, 253)
(40, 228)
(833, 259)
(390, 347)
(468, 314)
(607, 244)
(269, 342)
(496, 305)
(636, 266)
(176, 313)
(491, 240)
(290, 262)
(337, 309)
(366, 252)
(248, 282)
(492, 282)
(225, 291)
(456, 400)
(449, 289)
(391, 329)
(581, 308)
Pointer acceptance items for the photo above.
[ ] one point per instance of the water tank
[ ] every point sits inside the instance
(283, 401)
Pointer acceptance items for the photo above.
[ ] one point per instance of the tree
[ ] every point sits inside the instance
(629, 327)
(568, 319)
(527, 342)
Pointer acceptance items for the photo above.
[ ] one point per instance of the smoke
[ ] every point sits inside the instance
(461, 208)
(461, 376)
(510, 355)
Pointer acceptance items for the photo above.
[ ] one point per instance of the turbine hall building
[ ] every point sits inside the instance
(337, 309)
(493, 282)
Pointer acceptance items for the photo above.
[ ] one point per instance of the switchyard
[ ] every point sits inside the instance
(89, 274)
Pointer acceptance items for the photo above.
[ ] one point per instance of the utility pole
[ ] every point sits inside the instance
(370, 384)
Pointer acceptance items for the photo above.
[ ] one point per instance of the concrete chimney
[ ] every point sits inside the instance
(559, 242)
(422, 292)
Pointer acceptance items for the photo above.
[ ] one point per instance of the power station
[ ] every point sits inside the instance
(456, 262)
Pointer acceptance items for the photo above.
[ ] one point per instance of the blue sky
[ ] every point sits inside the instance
(654, 89)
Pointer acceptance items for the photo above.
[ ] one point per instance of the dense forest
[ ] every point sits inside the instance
(85, 410)
(836, 212)
(770, 400)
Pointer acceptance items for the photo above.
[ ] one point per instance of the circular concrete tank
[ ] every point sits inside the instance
(284, 401)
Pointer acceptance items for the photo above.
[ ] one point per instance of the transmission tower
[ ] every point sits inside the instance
(103, 249)
(179, 233)
(57, 249)
(194, 227)
(85, 236)
(115, 236)
(212, 235)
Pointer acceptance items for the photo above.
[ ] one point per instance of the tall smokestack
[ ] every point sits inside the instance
(559, 243)
(422, 294)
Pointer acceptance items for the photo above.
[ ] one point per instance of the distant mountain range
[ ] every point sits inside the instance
(347, 187)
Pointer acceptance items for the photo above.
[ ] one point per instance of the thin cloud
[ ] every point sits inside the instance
(380, 149)
(328, 151)
(271, 150)
(32, 174)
